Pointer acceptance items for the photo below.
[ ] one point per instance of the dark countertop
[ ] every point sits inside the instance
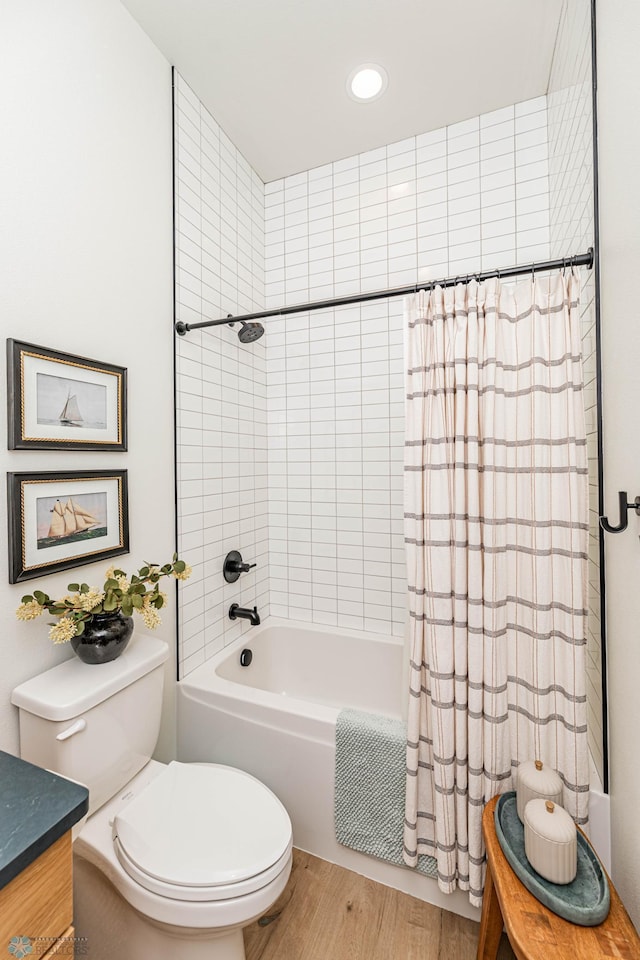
(36, 809)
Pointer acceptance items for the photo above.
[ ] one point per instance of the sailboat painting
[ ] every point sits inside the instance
(71, 403)
(63, 519)
(71, 411)
(70, 519)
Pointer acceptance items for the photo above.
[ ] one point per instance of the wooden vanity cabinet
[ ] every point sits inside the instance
(38, 903)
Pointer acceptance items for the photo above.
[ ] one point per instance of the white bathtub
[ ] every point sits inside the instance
(276, 719)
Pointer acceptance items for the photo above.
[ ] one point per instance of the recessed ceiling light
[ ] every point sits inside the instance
(367, 82)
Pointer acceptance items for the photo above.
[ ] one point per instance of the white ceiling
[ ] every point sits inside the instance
(273, 72)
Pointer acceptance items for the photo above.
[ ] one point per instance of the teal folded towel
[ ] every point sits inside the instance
(370, 781)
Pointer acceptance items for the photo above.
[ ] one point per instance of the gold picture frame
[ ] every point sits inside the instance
(64, 519)
(58, 401)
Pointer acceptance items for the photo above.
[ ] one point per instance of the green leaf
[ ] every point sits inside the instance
(158, 603)
(79, 627)
(167, 568)
(40, 596)
(84, 588)
(110, 585)
(73, 587)
(27, 599)
(179, 566)
(127, 607)
(175, 557)
(109, 603)
(137, 601)
(144, 571)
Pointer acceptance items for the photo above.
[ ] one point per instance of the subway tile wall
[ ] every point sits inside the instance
(220, 383)
(302, 469)
(472, 194)
(572, 230)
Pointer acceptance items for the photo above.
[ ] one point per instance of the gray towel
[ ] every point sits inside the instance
(370, 786)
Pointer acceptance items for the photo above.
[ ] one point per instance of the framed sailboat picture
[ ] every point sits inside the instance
(63, 402)
(65, 519)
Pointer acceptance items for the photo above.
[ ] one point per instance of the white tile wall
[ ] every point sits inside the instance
(475, 194)
(335, 408)
(221, 383)
(571, 224)
(291, 448)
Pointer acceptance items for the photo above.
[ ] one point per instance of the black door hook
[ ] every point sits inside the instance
(624, 516)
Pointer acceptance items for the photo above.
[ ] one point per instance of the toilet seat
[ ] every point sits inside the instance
(203, 832)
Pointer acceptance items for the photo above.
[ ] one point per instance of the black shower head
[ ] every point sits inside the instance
(250, 332)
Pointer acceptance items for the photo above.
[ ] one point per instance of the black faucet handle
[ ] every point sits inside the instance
(234, 565)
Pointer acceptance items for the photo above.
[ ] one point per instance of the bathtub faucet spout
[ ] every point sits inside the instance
(243, 613)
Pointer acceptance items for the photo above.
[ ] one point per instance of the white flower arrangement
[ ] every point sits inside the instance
(120, 594)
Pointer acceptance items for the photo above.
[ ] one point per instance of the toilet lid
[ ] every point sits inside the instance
(204, 826)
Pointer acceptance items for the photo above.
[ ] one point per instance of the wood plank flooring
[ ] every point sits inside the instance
(329, 913)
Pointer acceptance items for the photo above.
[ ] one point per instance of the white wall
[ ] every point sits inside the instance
(86, 254)
(618, 35)
(474, 194)
(221, 398)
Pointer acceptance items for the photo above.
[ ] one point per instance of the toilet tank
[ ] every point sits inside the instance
(97, 724)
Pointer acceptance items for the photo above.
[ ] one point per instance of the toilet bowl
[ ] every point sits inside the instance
(137, 858)
(173, 860)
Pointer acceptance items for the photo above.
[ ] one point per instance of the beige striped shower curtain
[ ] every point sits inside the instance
(496, 528)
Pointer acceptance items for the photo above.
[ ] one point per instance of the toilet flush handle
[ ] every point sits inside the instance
(74, 728)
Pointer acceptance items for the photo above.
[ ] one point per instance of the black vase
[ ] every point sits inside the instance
(104, 638)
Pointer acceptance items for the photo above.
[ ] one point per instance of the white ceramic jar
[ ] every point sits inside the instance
(534, 781)
(550, 841)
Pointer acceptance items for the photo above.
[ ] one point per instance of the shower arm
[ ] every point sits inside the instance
(541, 266)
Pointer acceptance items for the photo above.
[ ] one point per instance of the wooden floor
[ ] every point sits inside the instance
(328, 913)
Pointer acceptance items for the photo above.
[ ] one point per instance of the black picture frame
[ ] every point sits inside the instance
(37, 378)
(87, 507)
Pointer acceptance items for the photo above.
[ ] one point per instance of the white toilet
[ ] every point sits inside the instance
(172, 861)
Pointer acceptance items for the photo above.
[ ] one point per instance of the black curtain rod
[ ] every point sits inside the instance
(581, 260)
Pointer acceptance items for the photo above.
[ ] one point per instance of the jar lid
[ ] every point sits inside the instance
(539, 778)
(550, 821)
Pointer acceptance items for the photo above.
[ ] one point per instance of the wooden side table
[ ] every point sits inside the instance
(536, 933)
